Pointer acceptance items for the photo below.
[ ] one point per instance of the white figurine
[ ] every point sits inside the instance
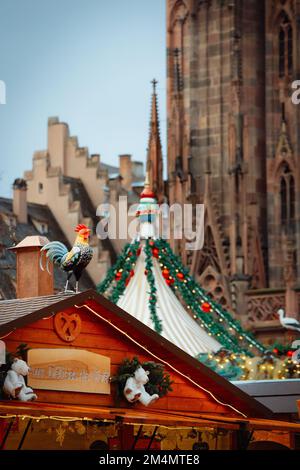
(134, 389)
(288, 322)
(14, 384)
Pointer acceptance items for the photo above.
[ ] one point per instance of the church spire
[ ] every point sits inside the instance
(154, 154)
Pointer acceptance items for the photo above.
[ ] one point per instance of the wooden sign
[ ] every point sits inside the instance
(74, 370)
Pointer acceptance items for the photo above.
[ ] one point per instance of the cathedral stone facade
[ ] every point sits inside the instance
(234, 144)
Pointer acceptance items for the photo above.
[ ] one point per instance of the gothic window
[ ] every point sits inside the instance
(287, 197)
(209, 255)
(285, 46)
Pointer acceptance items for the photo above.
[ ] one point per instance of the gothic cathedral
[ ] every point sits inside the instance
(234, 145)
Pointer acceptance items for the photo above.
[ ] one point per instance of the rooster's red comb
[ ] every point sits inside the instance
(81, 227)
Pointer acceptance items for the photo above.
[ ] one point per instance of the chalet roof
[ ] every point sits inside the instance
(21, 312)
(14, 309)
(11, 235)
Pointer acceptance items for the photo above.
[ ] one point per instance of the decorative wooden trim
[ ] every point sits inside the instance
(36, 409)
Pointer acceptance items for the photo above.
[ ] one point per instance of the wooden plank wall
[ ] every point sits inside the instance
(99, 337)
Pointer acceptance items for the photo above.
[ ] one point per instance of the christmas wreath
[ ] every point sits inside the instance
(159, 381)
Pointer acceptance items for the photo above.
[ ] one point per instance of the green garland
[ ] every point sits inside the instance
(159, 380)
(110, 275)
(279, 349)
(157, 323)
(192, 294)
(188, 290)
(216, 330)
(231, 369)
(191, 288)
(128, 262)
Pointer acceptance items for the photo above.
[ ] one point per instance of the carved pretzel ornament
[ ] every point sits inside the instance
(67, 326)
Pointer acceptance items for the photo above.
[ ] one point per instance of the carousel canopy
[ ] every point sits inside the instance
(150, 282)
(177, 325)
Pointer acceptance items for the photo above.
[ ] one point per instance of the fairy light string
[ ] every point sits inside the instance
(213, 327)
(8, 334)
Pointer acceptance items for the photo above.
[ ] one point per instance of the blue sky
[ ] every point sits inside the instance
(89, 62)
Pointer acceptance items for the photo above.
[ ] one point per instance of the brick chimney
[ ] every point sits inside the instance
(31, 280)
(126, 170)
(20, 200)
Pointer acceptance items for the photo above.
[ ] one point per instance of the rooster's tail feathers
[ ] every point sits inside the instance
(55, 251)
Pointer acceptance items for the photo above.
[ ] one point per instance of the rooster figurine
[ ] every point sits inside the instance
(74, 261)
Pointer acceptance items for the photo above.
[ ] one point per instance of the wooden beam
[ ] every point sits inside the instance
(24, 434)
(152, 437)
(137, 436)
(140, 416)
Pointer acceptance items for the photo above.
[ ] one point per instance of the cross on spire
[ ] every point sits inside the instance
(154, 83)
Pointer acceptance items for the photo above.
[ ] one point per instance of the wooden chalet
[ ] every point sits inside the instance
(202, 410)
(77, 342)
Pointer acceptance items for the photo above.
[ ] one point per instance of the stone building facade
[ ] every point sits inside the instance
(73, 184)
(233, 144)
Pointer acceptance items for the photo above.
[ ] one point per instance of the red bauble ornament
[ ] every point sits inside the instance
(139, 251)
(206, 307)
(290, 353)
(146, 272)
(118, 276)
(151, 243)
(275, 351)
(170, 281)
(155, 252)
(180, 276)
(131, 272)
(166, 273)
(127, 281)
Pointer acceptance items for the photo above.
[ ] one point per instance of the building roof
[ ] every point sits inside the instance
(104, 310)
(280, 396)
(11, 233)
(110, 168)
